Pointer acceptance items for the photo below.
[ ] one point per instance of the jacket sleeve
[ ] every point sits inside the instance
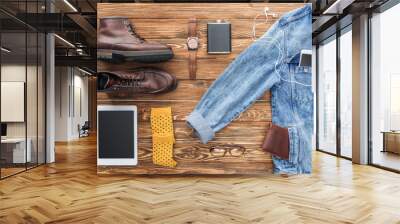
(245, 80)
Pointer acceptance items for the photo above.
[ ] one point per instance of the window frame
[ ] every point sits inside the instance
(334, 37)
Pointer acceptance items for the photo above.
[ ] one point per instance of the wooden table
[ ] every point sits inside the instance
(15, 151)
(391, 141)
(167, 23)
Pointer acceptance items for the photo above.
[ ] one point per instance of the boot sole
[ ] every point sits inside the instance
(170, 89)
(137, 56)
(173, 87)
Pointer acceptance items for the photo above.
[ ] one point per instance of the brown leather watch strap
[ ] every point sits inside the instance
(192, 64)
(192, 32)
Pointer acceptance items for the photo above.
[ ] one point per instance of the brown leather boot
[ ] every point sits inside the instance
(141, 80)
(118, 41)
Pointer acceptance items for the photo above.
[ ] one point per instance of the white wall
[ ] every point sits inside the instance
(80, 109)
(62, 81)
(13, 101)
(70, 84)
(14, 73)
(33, 126)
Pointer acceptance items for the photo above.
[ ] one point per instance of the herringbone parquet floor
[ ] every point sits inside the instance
(69, 191)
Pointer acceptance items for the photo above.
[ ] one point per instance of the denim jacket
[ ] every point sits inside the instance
(270, 63)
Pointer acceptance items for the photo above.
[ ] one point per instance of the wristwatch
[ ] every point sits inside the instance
(192, 45)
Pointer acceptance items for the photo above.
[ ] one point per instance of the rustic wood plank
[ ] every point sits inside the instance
(195, 158)
(236, 132)
(181, 53)
(188, 152)
(170, 29)
(188, 90)
(211, 11)
(177, 67)
(203, 168)
(259, 111)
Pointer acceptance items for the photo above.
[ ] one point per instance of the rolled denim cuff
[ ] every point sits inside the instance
(201, 126)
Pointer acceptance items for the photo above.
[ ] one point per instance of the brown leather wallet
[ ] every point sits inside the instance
(277, 141)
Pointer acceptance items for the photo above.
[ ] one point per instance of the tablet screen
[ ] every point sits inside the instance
(116, 134)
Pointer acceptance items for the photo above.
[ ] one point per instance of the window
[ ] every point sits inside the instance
(385, 89)
(346, 92)
(334, 106)
(327, 96)
(394, 102)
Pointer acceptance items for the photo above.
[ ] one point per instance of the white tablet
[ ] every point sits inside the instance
(116, 135)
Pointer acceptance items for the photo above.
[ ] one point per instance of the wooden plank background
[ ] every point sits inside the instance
(167, 23)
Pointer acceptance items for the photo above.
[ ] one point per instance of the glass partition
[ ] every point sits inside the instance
(14, 153)
(327, 96)
(22, 87)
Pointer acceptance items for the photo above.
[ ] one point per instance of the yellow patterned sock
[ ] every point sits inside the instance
(163, 136)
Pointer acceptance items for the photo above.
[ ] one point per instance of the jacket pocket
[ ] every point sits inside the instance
(294, 145)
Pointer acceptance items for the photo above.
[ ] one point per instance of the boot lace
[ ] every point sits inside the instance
(132, 31)
(132, 84)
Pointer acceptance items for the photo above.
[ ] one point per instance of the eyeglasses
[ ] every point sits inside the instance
(231, 149)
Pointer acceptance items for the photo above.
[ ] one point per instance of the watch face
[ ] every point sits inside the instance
(193, 43)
